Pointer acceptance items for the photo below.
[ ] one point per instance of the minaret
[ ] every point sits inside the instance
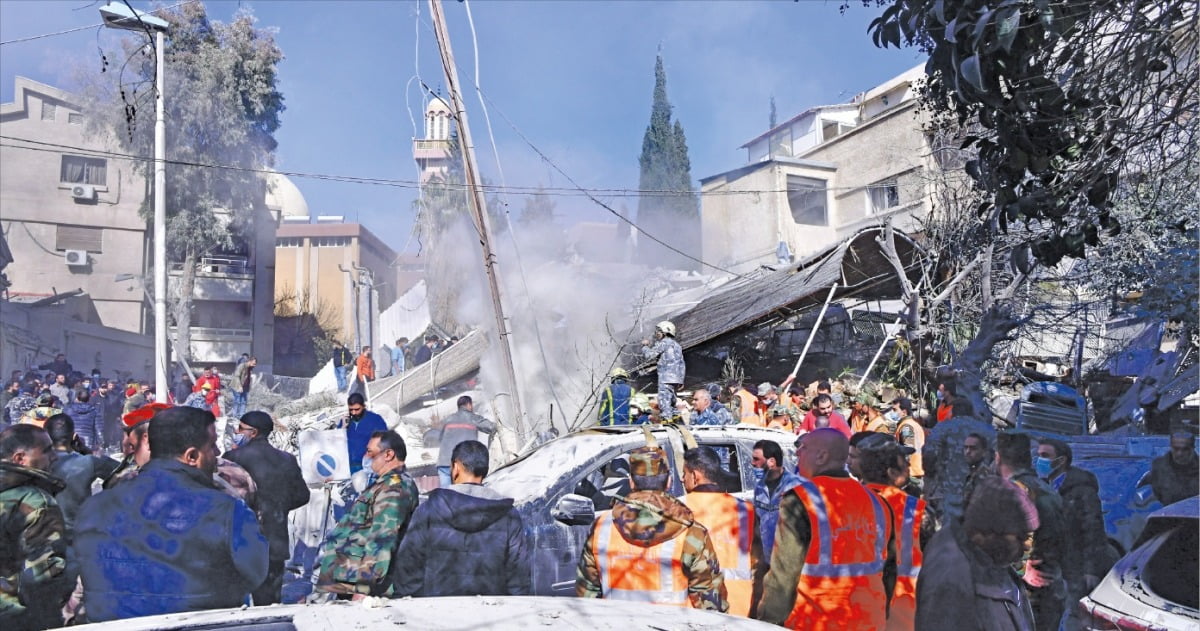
(432, 152)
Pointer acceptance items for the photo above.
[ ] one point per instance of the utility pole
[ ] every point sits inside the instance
(479, 209)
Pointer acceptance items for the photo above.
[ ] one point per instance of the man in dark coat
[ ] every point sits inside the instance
(969, 584)
(465, 540)
(281, 489)
(167, 540)
(108, 398)
(1176, 475)
(461, 426)
(1085, 556)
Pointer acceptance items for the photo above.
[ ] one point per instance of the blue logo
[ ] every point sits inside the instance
(326, 465)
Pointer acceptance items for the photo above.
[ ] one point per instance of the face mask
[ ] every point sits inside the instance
(239, 440)
(366, 463)
(1043, 466)
(940, 395)
(759, 474)
(893, 416)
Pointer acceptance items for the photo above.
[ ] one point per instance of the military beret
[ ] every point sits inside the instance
(647, 461)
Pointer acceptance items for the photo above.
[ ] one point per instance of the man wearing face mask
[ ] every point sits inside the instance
(1085, 556)
(281, 489)
(773, 482)
(974, 587)
(360, 425)
(356, 559)
(196, 547)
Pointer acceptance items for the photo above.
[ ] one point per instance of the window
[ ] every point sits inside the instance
(81, 170)
(331, 242)
(882, 196)
(78, 238)
(806, 197)
(289, 242)
(75, 118)
(47, 111)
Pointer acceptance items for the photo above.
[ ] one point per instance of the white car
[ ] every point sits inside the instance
(1156, 586)
(458, 612)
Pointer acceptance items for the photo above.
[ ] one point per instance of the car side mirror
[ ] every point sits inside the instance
(1143, 496)
(574, 510)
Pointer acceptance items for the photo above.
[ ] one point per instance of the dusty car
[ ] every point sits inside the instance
(1155, 585)
(561, 486)
(459, 612)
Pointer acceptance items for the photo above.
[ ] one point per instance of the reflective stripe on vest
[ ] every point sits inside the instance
(825, 565)
(906, 566)
(608, 542)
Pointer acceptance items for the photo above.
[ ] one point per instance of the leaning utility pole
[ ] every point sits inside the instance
(479, 209)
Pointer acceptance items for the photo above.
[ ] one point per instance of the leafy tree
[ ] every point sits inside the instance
(1061, 106)
(538, 210)
(669, 209)
(222, 108)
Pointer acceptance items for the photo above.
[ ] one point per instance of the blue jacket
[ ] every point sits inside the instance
(358, 434)
(766, 508)
(89, 424)
(614, 403)
(167, 541)
(466, 540)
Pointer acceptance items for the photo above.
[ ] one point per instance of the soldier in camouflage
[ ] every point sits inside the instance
(664, 529)
(33, 546)
(670, 368)
(357, 556)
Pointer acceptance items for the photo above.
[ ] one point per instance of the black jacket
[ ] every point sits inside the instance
(1086, 551)
(281, 488)
(463, 541)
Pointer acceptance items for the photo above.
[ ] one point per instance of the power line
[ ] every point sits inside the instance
(78, 28)
(538, 191)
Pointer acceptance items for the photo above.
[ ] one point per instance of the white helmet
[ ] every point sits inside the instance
(666, 327)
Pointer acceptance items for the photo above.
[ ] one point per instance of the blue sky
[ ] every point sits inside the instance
(575, 77)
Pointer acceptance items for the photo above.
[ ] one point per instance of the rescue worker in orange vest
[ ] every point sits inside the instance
(730, 524)
(865, 415)
(743, 405)
(910, 433)
(650, 547)
(884, 465)
(780, 417)
(832, 544)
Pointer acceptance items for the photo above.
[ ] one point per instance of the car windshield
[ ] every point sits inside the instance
(528, 477)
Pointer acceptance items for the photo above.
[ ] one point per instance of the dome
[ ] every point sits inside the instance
(436, 105)
(285, 197)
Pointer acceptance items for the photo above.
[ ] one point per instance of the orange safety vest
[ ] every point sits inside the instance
(878, 425)
(749, 409)
(636, 573)
(908, 512)
(916, 467)
(730, 524)
(841, 583)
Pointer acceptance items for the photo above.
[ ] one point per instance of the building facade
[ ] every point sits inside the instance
(341, 271)
(69, 208)
(820, 177)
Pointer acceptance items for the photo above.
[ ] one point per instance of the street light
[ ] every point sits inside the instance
(120, 16)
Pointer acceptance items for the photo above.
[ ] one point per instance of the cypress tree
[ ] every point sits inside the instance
(665, 166)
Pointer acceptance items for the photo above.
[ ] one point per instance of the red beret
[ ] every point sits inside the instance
(143, 414)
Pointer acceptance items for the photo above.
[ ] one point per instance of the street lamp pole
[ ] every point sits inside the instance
(160, 224)
(120, 16)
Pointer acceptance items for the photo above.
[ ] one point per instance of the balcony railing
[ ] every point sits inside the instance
(219, 265)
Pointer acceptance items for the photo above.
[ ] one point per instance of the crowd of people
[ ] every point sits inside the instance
(881, 523)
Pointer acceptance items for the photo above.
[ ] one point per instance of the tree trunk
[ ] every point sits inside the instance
(994, 327)
(182, 307)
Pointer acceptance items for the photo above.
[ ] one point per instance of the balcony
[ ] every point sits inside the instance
(224, 278)
(431, 149)
(218, 346)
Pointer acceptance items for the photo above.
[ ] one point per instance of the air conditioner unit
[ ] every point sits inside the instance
(83, 191)
(76, 258)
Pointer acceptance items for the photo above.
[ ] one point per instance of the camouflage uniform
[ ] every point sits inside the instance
(19, 405)
(671, 371)
(33, 550)
(649, 518)
(357, 555)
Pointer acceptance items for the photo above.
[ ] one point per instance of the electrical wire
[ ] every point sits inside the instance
(532, 191)
(537, 332)
(77, 28)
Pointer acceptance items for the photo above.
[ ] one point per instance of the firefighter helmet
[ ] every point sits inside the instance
(666, 327)
(618, 373)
